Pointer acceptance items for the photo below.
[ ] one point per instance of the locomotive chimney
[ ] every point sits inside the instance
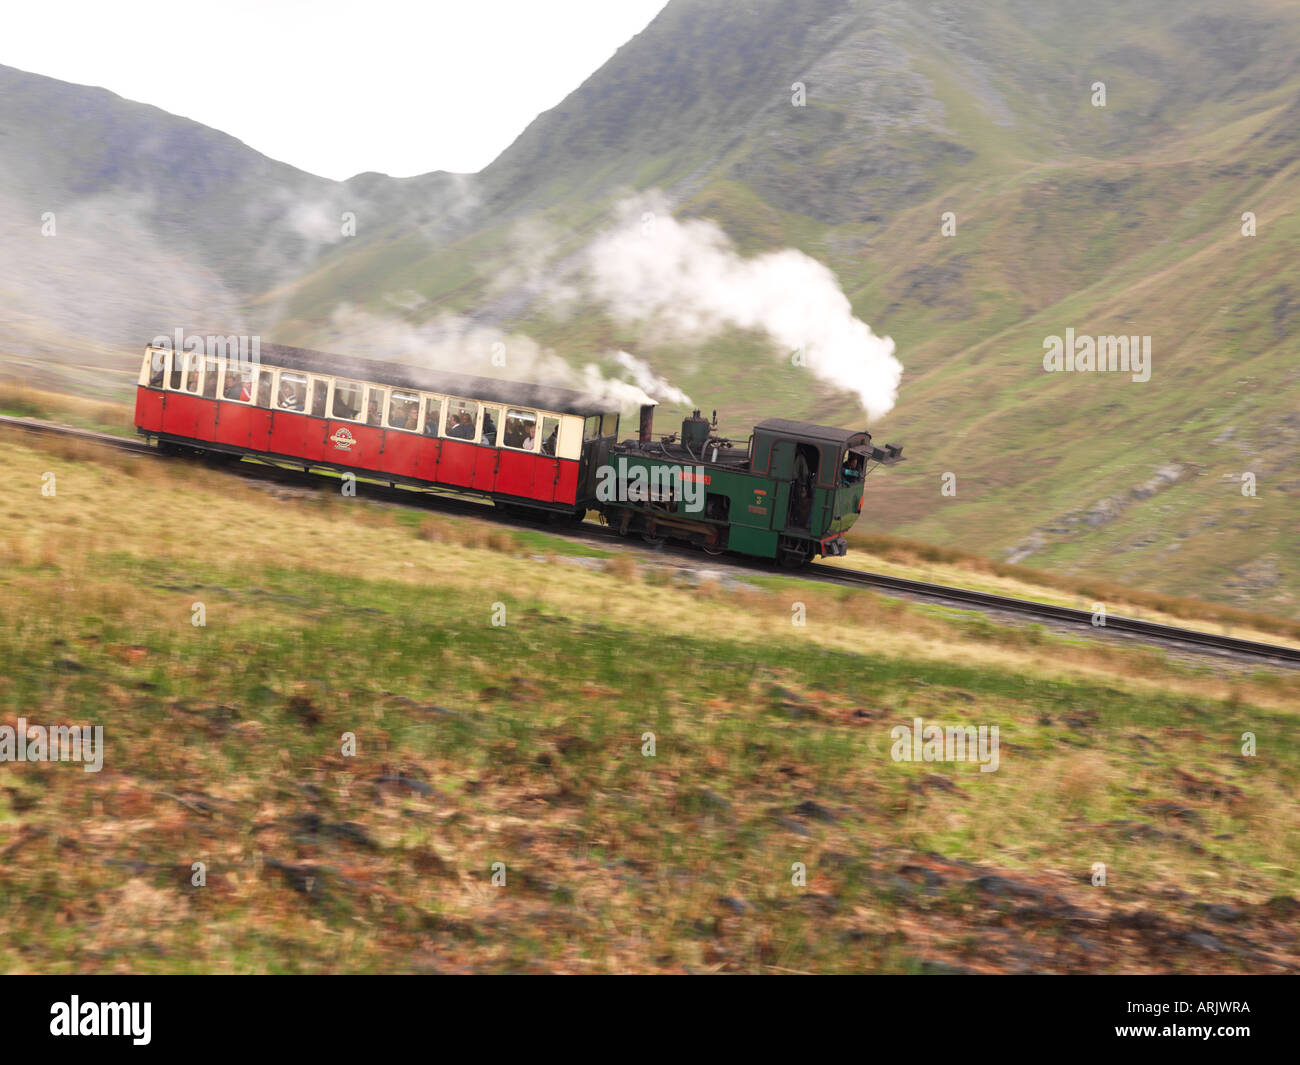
(647, 429)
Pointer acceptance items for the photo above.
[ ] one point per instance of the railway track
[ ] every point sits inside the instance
(1148, 631)
(1048, 611)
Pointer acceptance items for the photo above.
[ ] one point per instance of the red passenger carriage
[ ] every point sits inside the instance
(518, 444)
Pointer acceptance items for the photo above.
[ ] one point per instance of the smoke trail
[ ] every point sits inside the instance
(645, 378)
(459, 345)
(688, 276)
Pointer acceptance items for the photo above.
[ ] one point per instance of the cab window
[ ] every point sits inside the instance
(404, 411)
(347, 400)
(609, 425)
(851, 472)
(520, 429)
(591, 427)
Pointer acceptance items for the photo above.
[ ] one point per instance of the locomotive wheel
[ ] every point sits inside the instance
(652, 539)
(793, 559)
(715, 549)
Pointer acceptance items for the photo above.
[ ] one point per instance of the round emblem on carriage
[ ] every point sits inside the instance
(343, 439)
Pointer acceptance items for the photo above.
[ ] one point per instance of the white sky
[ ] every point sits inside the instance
(333, 87)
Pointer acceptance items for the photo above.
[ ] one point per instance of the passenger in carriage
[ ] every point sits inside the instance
(527, 445)
(548, 445)
(290, 397)
(489, 430)
(463, 429)
(372, 415)
(239, 386)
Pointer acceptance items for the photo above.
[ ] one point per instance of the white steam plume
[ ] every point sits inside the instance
(644, 377)
(459, 345)
(688, 277)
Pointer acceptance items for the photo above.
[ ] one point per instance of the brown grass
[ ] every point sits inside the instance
(911, 552)
(27, 402)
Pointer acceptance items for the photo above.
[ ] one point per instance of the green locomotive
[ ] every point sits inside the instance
(791, 493)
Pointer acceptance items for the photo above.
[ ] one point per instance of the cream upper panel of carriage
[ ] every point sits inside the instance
(466, 418)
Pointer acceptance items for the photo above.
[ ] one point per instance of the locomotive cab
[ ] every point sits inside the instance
(790, 495)
(818, 473)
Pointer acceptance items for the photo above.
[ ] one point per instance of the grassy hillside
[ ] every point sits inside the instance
(523, 743)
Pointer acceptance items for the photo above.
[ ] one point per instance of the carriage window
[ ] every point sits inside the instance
(210, 367)
(156, 368)
(404, 411)
(375, 407)
(320, 389)
(432, 411)
(609, 425)
(491, 426)
(591, 427)
(239, 384)
(550, 435)
(264, 388)
(347, 400)
(193, 366)
(461, 415)
(293, 391)
(520, 430)
(178, 370)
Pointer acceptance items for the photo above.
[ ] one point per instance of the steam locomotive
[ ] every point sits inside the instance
(790, 493)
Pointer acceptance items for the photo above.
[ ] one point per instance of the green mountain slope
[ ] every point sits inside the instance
(1123, 219)
(119, 220)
